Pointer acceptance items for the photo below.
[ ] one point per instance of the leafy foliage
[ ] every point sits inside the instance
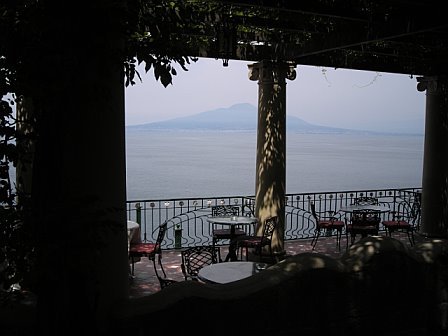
(158, 37)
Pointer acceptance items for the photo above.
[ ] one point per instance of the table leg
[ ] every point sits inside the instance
(231, 256)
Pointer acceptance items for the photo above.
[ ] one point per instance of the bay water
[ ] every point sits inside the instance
(187, 164)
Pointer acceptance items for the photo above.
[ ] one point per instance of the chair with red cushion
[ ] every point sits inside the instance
(257, 243)
(404, 219)
(147, 249)
(327, 224)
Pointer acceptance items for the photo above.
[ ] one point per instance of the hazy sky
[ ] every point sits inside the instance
(322, 96)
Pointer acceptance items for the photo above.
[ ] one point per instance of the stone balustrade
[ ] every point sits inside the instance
(379, 287)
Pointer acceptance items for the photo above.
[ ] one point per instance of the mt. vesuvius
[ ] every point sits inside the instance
(238, 117)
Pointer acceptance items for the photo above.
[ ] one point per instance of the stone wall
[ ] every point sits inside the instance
(379, 287)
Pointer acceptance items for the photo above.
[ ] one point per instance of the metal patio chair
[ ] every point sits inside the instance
(404, 219)
(196, 257)
(147, 249)
(257, 243)
(327, 224)
(364, 222)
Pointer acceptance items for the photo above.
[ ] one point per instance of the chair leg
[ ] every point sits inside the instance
(338, 239)
(346, 240)
(260, 254)
(352, 238)
(132, 267)
(219, 250)
(159, 261)
(315, 238)
(411, 237)
(271, 255)
(389, 231)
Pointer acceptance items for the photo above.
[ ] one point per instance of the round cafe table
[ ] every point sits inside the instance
(232, 221)
(134, 237)
(226, 272)
(133, 231)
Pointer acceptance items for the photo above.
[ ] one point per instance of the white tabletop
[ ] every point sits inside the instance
(226, 272)
(350, 208)
(133, 232)
(132, 225)
(232, 220)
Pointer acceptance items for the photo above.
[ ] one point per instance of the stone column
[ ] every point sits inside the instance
(79, 167)
(435, 160)
(270, 184)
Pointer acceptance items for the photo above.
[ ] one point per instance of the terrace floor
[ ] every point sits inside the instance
(145, 281)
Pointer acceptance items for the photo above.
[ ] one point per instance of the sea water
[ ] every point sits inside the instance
(185, 164)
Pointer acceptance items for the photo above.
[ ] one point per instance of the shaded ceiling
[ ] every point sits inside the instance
(406, 37)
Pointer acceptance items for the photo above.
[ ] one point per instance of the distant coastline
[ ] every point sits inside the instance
(242, 117)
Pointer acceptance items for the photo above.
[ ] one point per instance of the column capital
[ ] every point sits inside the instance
(432, 84)
(272, 71)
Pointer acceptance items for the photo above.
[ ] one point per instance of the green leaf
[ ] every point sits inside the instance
(166, 79)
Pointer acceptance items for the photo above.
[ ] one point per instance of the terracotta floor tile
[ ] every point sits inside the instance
(145, 281)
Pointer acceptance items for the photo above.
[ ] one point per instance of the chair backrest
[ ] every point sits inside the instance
(415, 212)
(225, 210)
(318, 216)
(269, 227)
(365, 200)
(196, 257)
(160, 272)
(366, 217)
(157, 258)
(248, 209)
(160, 237)
(313, 211)
(408, 212)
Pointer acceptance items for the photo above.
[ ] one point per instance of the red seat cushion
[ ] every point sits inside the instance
(252, 241)
(225, 233)
(327, 224)
(362, 229)
(397, 224)
(142, 248)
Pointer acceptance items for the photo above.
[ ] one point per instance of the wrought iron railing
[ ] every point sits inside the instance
(188, 225)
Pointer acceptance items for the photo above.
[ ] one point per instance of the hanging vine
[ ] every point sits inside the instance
(374, 79)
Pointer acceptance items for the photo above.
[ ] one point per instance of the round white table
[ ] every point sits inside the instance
(226, 272)
(132, 225)
(233, 221)
(133, 236)
(133, 231)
